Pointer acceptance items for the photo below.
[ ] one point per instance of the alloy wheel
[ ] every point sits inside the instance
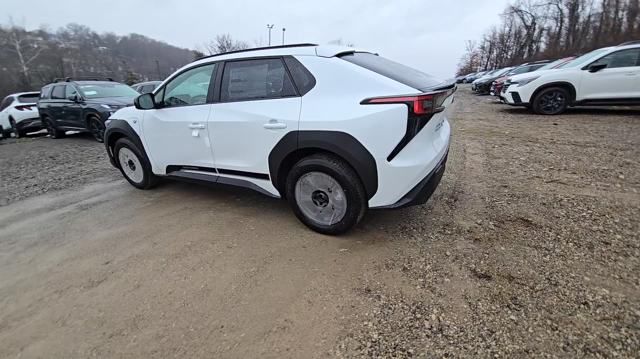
(321, 198)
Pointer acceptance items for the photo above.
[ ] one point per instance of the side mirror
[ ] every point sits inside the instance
(145, 102)
(596, 67)
(74, 98)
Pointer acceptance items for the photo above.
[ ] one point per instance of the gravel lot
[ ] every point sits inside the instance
(529, 248)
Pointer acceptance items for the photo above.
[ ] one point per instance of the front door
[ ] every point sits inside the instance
(258, 105)
(619, 80)
(72, 111)
(176, 133)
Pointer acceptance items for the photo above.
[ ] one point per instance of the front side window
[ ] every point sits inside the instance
(6, 102)
(58, 92)
(70, 92)
(189, 88)
(624, 58)
(255, 80)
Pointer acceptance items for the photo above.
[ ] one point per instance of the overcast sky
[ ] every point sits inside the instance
(426, 34)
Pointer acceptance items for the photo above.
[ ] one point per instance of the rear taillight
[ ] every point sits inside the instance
(423, 104)
(23, 107)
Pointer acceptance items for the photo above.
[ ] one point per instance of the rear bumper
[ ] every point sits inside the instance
(29, 124)
(421, 193)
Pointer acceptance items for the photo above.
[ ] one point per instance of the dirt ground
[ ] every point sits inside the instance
(529, 247)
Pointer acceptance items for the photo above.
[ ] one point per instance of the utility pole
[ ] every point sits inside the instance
(283, 30)
(269, 27)
(158, 69)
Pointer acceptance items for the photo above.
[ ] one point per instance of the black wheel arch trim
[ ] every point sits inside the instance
(339, 143)
(569, 85)
(116, 130)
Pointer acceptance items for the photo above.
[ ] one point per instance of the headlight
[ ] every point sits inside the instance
(526, 81)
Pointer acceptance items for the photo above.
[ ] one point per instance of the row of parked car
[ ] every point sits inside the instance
(81, 104)
(608, 76)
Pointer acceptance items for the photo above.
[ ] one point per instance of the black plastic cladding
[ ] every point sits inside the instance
(339, 143)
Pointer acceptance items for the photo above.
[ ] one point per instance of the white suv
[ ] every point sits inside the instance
(607, 76)
(333, 130)
(19, 114)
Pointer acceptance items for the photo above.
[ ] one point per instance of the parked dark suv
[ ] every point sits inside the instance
(82, 105)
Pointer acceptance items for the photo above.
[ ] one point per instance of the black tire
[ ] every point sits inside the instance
(350, 185)
(52, 130)
(551, 101)
(148, 179)
(96, 128)
(14, 128)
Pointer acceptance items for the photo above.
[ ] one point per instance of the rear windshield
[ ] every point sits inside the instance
(393, 70)
(29, 98)
(107, 90)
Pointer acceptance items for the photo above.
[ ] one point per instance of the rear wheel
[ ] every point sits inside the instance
(326, 194)
(135, 166)
(52, 131)
(15, 130)
(551, 101)
(96, 127)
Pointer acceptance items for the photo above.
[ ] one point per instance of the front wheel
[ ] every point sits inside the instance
(326, 194)
(551, 101)
(96, 127)
(135, 167)
(15, 130)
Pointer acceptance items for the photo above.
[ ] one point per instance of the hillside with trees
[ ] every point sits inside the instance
(549, 29)
(29, 59)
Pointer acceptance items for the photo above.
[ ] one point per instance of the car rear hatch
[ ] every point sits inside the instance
(428, 103)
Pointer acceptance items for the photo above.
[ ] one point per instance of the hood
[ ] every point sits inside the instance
(114, 101)
(532, 74)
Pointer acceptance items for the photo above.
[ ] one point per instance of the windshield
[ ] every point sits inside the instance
(584, 58)
(503, 71)
(107, 90)
(551, 65)
(519, 70)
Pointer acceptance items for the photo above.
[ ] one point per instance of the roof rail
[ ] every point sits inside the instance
(82, 78)
(634, 42)
(258, 48)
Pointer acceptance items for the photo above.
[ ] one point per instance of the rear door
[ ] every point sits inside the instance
(56, 105)
(619, 80)
(257, 105)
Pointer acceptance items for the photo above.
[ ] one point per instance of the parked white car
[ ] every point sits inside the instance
(607, 76)
(19, 114)
(334, 130)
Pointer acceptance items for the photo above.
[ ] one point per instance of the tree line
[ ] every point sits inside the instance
(549, 29)
(31, 59)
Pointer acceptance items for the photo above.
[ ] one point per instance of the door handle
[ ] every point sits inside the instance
(275, 125)
(197, 126)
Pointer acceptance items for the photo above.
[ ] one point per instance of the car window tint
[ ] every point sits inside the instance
(147, 88)
(28, 98)
(46, 92)
(58, 92)
(189, 88)
(624, 58)
(6, 102)
(254, 80)
(70, 91)
(303, 79)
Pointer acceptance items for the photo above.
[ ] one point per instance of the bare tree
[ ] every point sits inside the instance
(25, 46)
(224, 43)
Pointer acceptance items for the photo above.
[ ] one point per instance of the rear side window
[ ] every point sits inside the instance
(303, 79)
(6, 102)
(28, 98)
(58, 92)
(393, 70)
(255, 80)
(45, 93)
